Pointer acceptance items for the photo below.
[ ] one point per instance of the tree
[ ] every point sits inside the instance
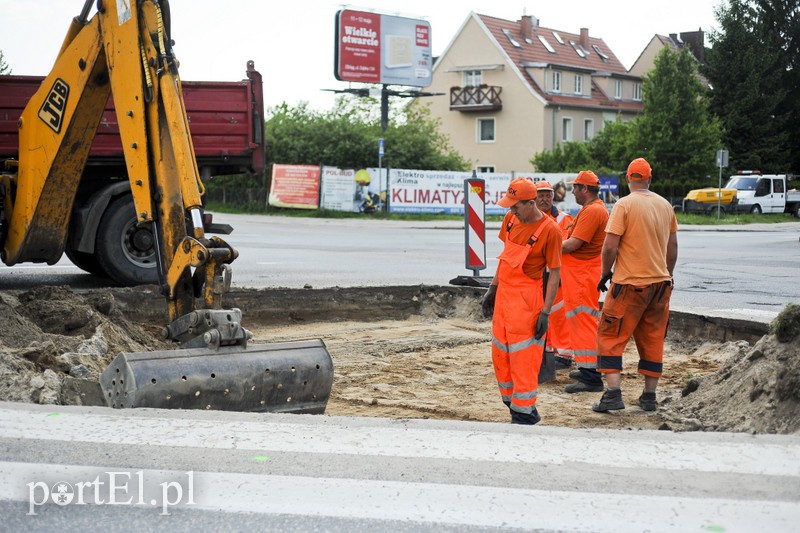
(4, 68)
(347, 137)
(753, 67)
(676, 132)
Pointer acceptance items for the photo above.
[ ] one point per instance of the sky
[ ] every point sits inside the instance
(292, 42)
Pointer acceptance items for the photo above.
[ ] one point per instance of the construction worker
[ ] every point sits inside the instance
(558, 333)
(580, 267)
(520, 312)
(642, 244)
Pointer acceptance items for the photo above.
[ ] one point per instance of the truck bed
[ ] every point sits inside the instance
(225, 118)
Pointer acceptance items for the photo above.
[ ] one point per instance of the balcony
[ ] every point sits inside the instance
(480, 98)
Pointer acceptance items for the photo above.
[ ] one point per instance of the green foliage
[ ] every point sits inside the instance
(347, 137)
(786, 326)
(675, 132)
(753, 67)
(4, 67)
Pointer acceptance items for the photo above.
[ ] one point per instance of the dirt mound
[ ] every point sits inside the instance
(53, 339)
(756, 390)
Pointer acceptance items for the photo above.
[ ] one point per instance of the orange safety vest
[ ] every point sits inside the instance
(516, 354)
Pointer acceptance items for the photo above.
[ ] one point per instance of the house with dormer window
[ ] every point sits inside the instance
(516, 88)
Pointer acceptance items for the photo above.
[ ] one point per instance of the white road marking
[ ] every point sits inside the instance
(601, 449)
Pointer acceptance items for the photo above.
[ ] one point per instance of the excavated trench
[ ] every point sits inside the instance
(406, 352)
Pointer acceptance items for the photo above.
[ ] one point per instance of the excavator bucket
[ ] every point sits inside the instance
(286, 377)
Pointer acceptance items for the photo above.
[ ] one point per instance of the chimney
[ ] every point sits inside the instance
(585, 38)
(526, 26)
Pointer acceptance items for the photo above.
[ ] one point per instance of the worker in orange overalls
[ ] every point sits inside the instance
(520, 321)
(558, 333)
(580, 267)
(642, 244)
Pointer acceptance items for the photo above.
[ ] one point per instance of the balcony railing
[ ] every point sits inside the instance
(480, 98)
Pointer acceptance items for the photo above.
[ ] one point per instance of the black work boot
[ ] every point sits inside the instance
(611, 401)
(525, 419)
(647, 401)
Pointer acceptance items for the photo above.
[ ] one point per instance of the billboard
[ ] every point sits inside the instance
(375, 48)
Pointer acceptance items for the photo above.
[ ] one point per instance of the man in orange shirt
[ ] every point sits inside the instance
(580, 267)
(642, 243)
(515, 298)
(558, 332)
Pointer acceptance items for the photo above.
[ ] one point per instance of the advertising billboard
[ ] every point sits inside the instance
(375, 48)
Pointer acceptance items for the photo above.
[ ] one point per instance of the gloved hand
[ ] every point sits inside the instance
(541, 325)
(605, 278)
(487, 304)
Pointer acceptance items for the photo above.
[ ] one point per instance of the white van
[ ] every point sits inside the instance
(760, 193)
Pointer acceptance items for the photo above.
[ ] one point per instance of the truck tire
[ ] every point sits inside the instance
(713, 210)
(123, 250)
(86, 262)
(756, 209)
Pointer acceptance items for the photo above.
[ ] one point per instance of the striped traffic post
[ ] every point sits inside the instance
(475, 223)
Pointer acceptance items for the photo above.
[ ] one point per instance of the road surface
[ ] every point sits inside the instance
(204, 470)
(745, 272)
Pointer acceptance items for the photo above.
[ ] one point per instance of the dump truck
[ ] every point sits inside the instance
(146, 217)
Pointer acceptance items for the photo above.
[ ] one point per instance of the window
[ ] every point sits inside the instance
(600, 53)
(588, 129)
(546, 44)
(777, 186)
(578, 49)
(578, 83)
(617, 89)
(472, 78)
(511, 39)
(485, 130)
(637, 91)
(489, 168)
(558, 38)
(566, 129)
(556, 82)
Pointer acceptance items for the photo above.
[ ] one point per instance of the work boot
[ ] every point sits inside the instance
(575, 374)
(580, 386)
(611, 401)
(647, 401)
(525, 419)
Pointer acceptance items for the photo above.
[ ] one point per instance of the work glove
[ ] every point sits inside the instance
(541, 325)
(605, 278)
(487, 304)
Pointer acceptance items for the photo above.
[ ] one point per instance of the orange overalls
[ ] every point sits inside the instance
(582, 305)
(558, 339)
(516, 354)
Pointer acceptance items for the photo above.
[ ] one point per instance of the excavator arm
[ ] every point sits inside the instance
(125, 50)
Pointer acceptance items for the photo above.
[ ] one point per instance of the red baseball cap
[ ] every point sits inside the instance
(543, 186)
(519, 189)
(586, 177)
(639, 170)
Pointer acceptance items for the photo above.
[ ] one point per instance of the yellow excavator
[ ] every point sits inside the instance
(125, 50)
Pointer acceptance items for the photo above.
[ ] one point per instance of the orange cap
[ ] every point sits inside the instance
(639, 170)
(519, 189)
(586, 177)
(543, 186)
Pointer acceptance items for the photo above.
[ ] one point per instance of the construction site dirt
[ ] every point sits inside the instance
(407, 352)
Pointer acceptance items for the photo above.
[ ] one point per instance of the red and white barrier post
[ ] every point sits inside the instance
(475, 223)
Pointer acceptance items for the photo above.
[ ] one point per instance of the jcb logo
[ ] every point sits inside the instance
(52, 111)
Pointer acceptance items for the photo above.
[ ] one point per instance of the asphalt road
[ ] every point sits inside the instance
(746, 272)
(62, 466)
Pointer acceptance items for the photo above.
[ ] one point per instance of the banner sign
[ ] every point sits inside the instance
(375, 48)
(338, 189)
(295, 186)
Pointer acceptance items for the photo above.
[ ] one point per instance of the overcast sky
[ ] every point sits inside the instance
(292, 41)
